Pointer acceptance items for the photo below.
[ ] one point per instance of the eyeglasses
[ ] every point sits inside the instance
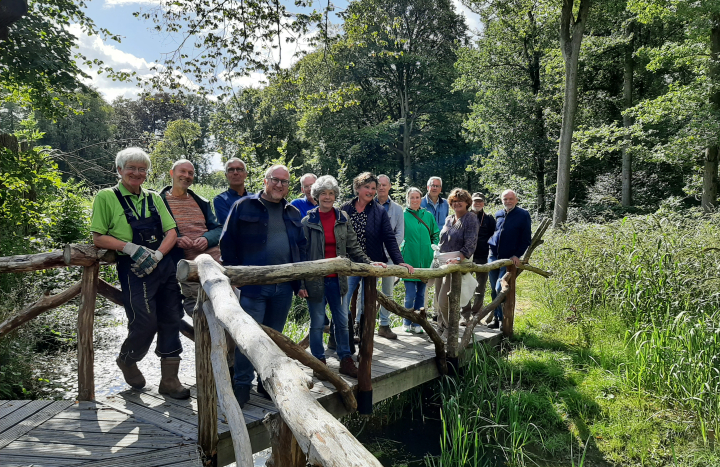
(141, 170)
(275, 181)
(235, 169)
(435, 186)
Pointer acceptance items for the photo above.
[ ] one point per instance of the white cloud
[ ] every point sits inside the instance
(93, 47)
(472, 19)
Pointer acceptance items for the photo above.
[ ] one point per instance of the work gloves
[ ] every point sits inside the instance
(144, 259)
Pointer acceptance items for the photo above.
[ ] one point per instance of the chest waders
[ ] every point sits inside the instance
(153, 303)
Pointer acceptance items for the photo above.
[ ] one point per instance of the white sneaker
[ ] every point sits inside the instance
(417, 329)
(408, 329)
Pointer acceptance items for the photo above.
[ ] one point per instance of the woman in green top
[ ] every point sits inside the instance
(421, 231)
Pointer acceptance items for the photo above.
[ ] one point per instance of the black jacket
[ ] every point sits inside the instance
(378, 232)
(244, 239)
(486, 230)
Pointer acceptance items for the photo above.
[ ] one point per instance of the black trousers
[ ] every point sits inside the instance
(153, 305)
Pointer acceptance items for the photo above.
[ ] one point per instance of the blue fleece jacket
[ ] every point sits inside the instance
(512, 233)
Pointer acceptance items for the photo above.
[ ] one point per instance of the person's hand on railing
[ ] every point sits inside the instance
(410, 269)
(379, 264)
(515, 260)
(302, 293)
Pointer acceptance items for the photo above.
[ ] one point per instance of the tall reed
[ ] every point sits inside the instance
(660, 275)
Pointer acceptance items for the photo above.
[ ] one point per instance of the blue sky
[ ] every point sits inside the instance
(142, 46)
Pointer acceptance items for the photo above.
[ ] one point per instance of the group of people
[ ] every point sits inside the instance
(153, 231)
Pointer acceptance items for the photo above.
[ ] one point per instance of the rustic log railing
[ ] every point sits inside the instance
(310, 433)
(293, 437)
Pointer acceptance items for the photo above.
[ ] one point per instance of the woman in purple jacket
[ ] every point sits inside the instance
(458, 234)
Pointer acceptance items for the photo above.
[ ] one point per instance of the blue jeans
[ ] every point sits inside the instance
(339, 318)
(387, 289)
(271, 308)
(495, 276)
(414, 297)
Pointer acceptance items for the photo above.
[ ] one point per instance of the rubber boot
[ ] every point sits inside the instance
(132, 374)
(169, 383)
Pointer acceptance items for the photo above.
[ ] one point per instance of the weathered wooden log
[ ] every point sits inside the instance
(470, 327)
(305, 342)
(85, 324)
(72, 255)
(110, 292)
(536, 240)
(367, 340)
(421, 319)
(85, 255)
(509, 305)
(233, 414)
(254, 275)
(206, 391)
(454, 318)
(34, 310)
(296, 352)
(286, 451)
(325, 440)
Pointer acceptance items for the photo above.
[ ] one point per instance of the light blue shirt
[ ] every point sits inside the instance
(439, 210)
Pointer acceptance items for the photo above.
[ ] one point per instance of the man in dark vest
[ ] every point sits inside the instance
(137, 224)
(487, 228)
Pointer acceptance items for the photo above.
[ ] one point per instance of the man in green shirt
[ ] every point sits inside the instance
(137, 224)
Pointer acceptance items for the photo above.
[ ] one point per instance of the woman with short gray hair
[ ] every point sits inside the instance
(329, 234)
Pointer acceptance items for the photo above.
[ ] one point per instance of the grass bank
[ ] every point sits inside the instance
(616, 358)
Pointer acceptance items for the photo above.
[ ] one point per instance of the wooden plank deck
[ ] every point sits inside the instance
(144, 429)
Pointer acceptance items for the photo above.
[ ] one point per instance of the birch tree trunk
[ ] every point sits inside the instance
(571, 34)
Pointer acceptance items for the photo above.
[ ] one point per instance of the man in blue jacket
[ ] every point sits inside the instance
(236, 172)
(511, 238)
(263, 230)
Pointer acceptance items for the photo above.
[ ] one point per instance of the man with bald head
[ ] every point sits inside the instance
(511, 238)
(198, 230)
(263, 230)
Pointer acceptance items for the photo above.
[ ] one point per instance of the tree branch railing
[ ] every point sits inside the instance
(319, 436)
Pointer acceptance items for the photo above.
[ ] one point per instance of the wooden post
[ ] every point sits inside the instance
(286, 451)
(85, 322)
(509, 305)
(364, 398)
(206, 392)
(453, 321)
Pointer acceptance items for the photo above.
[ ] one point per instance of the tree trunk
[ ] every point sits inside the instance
(571, 34)
(710, 174)
(627, 120)
(540, 146)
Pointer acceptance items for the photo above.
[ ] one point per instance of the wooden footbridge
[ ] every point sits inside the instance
(143, 428)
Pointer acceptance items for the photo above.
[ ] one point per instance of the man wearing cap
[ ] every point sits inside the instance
(482, 250)
(511, 238)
